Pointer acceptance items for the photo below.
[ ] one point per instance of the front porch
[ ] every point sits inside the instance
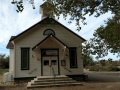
(52, 54)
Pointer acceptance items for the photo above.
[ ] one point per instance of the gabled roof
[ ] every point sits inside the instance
(48, 20)
(10, 44)
(46, 38)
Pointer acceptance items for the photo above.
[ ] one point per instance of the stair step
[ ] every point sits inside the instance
(53, 78)
(48, 81)
(51, 85)
(36, 83)
(39, 80)
(44, 77)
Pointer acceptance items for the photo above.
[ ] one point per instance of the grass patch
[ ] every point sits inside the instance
(2, 71)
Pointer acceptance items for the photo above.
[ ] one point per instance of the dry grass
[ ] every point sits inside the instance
(85, 86)
(90, 85)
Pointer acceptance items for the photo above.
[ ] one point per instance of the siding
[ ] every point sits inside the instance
(33, 37)
(11, 62)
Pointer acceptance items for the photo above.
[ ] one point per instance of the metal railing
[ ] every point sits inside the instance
(54, 76)
(33, 70)
(67, 69)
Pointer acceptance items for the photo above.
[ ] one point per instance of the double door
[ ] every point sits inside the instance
(50, 65)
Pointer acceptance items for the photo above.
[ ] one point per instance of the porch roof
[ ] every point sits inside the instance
(48, 37)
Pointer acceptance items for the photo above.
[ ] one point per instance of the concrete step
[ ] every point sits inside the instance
(57, 82)
(48, 81)
(56, 79)
(59, 76)
(51, 77)
(52, 85)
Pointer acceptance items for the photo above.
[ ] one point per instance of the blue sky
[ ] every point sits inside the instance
(12, 23)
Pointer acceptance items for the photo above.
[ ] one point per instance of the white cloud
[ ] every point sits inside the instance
(12, 23)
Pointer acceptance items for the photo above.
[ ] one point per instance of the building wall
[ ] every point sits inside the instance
(33, 37)
(11, 61)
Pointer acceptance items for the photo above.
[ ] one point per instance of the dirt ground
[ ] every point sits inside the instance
(97, 81)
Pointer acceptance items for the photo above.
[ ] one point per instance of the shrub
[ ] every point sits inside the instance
(4, 61)
(113, 68)
(93, 68)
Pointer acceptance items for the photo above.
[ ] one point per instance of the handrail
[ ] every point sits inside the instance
(53, 72)
(33, 70)
(67, 69)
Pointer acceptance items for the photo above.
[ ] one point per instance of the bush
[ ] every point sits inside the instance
(93, 68)
(113, 68)
(104, 68)
(4, 61)
(2, 71)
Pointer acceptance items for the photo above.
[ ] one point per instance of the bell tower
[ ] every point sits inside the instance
(44, 9)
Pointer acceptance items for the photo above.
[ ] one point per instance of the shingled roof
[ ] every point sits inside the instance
(10, 44)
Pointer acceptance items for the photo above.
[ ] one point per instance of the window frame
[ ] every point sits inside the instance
(44, 33)
(28, 56)
(75, 58)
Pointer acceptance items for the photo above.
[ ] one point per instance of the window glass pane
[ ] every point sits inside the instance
(53, 62)
(73, 57)
(73, 62)
(46, 62)
(25, 58)
(24, 63)
(72, 53)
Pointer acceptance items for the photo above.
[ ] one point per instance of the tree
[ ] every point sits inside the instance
(87, 60)
(4, 61)
(106, 39)
(76, 9)
(102, 62)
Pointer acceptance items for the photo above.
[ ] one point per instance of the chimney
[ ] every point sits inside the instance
(44, 9)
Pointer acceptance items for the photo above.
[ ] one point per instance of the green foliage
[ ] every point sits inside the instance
(76, 9)
(102, 62)
(104, 68)
(94, 68)
(2, 71)
(106, 39)
(4, 61)
(113, 68)
(88, 61)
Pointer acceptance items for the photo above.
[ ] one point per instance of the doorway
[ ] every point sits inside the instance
(50, 62)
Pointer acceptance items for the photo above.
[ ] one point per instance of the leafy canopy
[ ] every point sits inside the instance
(77, 9)
(106, 39)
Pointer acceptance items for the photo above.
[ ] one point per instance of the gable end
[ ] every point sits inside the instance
(50, 21)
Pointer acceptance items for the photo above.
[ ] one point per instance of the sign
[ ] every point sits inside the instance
(51, 52)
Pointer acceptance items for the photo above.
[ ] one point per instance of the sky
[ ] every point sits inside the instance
(13, 23)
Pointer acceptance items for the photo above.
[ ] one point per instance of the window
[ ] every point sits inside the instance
(73, 57)
(53, 62)
(48, 32)
(24, 58)
(46, 62)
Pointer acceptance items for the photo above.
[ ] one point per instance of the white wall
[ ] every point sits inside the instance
(11, 60)
(33, 37)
